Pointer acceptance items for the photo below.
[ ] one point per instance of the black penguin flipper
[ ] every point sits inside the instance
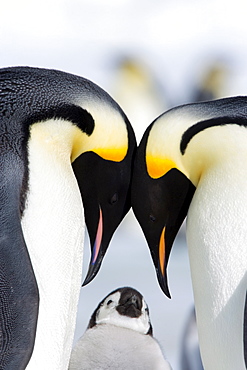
(18, 289)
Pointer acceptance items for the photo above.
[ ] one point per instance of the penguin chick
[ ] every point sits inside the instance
(119, 336)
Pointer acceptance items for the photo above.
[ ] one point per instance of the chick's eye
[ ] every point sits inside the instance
(109, 302)
(114, 198)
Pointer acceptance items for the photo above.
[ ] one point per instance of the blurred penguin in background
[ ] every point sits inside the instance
(137, 90)
(212, 83)
(119, 336)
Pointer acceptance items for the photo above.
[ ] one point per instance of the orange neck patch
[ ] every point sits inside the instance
(158, 167)
(162, 251)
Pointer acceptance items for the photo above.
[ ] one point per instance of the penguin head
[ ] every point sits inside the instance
(159, 196)
(106, 199)
(102, 145)
(124, 307)
(103, 172)
(174, 155)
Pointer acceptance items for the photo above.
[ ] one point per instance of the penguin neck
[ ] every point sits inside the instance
(163, 143)
(216, 147)
(53, 226)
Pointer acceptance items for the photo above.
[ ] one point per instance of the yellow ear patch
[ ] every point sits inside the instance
(82, 144)
(158, 167)
(112, 154)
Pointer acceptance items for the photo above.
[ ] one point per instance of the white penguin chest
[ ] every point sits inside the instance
(53, 226)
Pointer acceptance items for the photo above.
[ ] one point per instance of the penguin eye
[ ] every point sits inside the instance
(109, 302)
(152, 218)
(114, 198)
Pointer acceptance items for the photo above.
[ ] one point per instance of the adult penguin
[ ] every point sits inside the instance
(66, 147)
(192, 159)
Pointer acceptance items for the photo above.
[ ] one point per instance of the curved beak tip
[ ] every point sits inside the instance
(92, 272)
(162, 279)
(167, 293)
(87, 280)
(165, 289)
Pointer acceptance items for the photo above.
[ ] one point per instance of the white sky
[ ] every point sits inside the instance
(83, 36)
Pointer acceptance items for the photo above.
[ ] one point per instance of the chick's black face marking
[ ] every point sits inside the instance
(130, 303)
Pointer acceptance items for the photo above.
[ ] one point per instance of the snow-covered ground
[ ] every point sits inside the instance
(176, 42)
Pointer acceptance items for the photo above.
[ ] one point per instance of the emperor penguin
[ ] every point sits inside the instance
(119, 336)
(66, 150)
(192, 160)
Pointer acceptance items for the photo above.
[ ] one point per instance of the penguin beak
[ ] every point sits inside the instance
(160, 206)
(96, 255)
(161, 263)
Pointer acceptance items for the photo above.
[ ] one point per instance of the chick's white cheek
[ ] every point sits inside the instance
(107, 309)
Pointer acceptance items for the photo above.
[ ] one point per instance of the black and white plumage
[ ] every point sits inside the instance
(119, 336)
(192, 160)
(66, 150)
